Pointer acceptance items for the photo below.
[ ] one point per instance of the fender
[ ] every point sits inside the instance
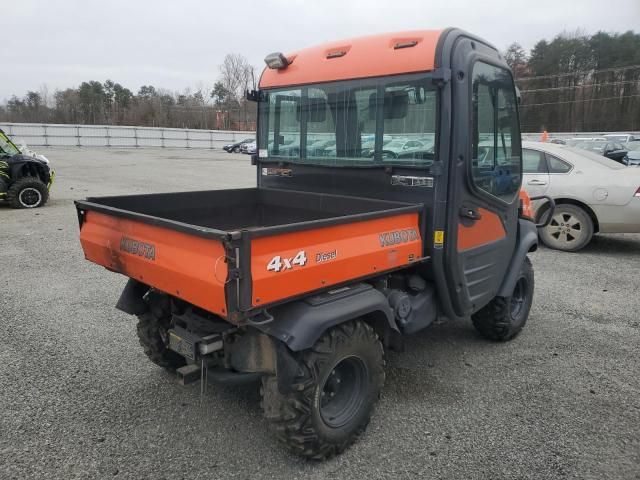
(527, 242)
(301, 323)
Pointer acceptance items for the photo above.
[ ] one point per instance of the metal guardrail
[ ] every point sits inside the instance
(48, 135)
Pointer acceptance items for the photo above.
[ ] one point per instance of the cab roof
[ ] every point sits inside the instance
(371, 56)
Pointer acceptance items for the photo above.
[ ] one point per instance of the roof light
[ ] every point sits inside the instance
(337, 54)
(408, 44)
(276, 61)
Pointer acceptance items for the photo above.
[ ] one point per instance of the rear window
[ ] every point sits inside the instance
(604, 161)
(556, 165)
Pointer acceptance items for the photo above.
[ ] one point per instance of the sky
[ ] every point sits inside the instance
(180, 44)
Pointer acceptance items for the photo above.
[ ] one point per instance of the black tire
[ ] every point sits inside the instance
(235, 150)
(332, 398)
(152, 333)
(570, 230)
(27, 192)
(504, 317)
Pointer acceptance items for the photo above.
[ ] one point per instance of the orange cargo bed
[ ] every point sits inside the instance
(235, 252)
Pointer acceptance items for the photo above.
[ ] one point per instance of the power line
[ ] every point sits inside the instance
(593, 85)
(576, 101)
(578, 72)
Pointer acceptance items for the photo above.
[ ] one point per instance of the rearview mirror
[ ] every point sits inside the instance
(396, 104)
(316, 110)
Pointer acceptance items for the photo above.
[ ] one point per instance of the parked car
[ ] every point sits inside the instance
(579, 141)
(622, 137)
(401, 147)
(593, 194)
(250, 148)
(613, 150)
(25, 177)
(633, 158)
(235, 147)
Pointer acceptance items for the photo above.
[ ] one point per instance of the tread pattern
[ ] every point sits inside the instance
(494, 321)
(292, 415)
(20, 184)
(150, 336)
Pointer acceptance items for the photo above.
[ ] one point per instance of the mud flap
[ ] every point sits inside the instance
(131, 300)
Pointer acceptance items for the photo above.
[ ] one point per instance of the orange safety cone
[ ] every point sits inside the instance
(544, 137)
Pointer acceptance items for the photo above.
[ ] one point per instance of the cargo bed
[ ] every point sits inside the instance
(233, 252)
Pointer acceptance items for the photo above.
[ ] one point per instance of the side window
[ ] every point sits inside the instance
(496, 163)
(284, 119)
(533, 161)
(556, 165)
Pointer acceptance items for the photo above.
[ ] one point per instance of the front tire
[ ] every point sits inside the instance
(27, 192)
(570, 229)
(331, 399)
(504, 317)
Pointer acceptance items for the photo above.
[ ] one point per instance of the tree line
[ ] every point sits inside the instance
(220, 106)
(579, 82)
(575, 82)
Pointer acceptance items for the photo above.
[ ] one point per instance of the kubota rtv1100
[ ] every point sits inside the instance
(388, 179)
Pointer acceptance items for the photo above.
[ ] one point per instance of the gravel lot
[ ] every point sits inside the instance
(78, 398)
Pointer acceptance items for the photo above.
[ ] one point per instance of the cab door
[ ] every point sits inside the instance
(485, 175)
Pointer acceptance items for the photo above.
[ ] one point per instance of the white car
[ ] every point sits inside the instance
(621, 137)
(593, 194)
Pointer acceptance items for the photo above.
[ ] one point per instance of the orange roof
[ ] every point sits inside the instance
(371, 56)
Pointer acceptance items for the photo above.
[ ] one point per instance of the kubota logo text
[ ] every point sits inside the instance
(398, 236)
(136, 247)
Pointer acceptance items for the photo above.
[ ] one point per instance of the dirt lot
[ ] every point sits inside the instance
(78, 398)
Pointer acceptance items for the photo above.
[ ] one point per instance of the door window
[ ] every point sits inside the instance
(496, 163)
(533, 161)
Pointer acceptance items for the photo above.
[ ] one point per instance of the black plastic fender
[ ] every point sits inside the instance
(527, 242)
(131, 300)
(300, 324)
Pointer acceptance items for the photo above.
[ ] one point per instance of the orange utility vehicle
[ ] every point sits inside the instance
(388, 178)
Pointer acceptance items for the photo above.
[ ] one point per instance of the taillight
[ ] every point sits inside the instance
(637, 194)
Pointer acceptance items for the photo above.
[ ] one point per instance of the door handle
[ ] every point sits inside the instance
(471, 213)
(536, 182)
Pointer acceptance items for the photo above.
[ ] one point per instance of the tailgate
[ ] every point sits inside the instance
(189, 267)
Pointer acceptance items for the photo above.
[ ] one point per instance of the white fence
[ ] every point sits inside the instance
(48, 135)
(38, 134)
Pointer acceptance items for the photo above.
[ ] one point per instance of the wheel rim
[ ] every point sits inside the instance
(343, 391)
(566, 228)
(519, 298)
(30, 197)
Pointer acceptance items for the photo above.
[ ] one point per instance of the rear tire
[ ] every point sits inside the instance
(27, 192)
(152, 328)
(570, 230)
(504, 317)
(331, 399)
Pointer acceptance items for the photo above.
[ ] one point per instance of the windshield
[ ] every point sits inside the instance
(6, 146)
(368, 122)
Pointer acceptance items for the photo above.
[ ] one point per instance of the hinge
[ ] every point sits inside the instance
(235, 274)
(441, 76)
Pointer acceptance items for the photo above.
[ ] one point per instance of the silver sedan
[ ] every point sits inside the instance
(593, 194)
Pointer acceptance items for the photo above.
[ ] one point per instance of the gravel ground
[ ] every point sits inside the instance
(78, 398)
